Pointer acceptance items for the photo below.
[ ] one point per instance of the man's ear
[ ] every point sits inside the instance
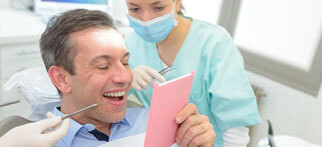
(61, 79)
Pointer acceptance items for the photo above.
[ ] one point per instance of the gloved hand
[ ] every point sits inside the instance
(143, 76)
(37, 134)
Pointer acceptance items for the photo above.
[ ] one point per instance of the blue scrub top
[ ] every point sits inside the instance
(220, 89)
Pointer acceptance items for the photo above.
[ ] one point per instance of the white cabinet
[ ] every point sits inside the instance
(19, 49)
(14, 58)
(18, 57)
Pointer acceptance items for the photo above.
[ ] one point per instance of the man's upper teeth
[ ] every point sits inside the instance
(115, 94)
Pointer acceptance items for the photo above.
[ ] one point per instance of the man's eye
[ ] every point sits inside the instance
(125, 64)
(102, 67)
(158, 8)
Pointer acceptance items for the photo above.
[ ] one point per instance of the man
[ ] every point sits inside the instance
(87, 61)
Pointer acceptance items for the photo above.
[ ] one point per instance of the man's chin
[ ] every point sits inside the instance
(116, 117)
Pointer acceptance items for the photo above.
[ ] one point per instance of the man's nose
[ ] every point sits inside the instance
(122, 75)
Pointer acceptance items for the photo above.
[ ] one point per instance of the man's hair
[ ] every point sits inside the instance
(55, 43)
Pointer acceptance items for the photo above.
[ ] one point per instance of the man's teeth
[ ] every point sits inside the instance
(114, 94)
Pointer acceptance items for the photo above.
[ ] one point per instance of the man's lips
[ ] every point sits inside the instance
(115, 98)
(114, 94)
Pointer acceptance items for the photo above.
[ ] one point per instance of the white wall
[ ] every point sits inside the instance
(291, 112)
(4, 4)
(119, 10)
(206, 10)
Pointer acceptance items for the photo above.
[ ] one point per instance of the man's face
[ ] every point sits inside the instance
(102, 74)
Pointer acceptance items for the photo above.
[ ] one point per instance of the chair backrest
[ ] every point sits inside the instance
(11, 122)
(132, 104)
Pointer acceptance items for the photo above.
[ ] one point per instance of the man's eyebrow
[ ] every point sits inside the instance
(99, 57)
(106, 57)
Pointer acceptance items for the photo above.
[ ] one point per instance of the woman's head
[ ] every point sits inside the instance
(146, 10)
(153, 20)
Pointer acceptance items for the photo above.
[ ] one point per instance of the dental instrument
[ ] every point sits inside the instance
(167, 69)
(81, 110)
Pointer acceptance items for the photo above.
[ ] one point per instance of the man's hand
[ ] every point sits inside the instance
(194, 129)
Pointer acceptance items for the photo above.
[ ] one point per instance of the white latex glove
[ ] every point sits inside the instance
(37, 134)
(143, 76)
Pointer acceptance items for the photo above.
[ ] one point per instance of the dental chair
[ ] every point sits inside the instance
(11, 122)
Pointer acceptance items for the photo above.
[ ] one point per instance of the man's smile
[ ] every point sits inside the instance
(116, 98)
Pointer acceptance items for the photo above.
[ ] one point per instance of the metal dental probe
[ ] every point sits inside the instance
(81, 110)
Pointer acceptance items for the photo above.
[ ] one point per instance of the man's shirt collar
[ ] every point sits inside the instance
(75, 127)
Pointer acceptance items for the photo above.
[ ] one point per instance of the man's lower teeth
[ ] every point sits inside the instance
(117, 98)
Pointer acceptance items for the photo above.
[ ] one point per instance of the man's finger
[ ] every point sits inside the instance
(191, 127)
(204, 140)
(188, 110)
(193, 132)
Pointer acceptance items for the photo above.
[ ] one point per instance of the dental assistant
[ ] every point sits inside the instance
(221, 90)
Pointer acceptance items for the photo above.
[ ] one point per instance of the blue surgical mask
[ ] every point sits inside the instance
(156, 29)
